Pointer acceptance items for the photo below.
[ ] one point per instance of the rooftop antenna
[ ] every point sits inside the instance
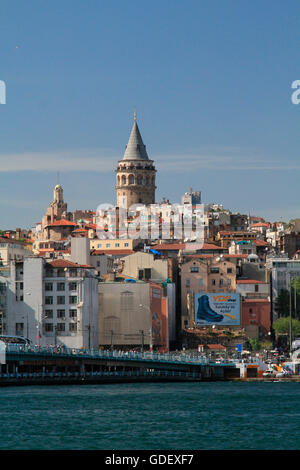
(134, 114)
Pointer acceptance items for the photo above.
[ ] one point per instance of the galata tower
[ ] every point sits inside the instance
(135, 173)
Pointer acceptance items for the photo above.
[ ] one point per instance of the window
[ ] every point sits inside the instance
(229, 282)
(60, 286)
(61, 327)
(107, 245)
(221, 282)
(73, 327)
(126, 301)
(73, 299)
(48, 313)
(229, 270)
(126, 244)
(48, 286)
(201, 282)
(117, 245)
(21, 286)
(61, 273)
(99, 245)
(147, 273)
(194, 269)
(61, 300)
(213, 282)
(256, 288)
(61, 314)
(214, 270)
(73, 313)
(72, 286)
(187, 283)
(19, 328)
(141, 274)
(48, 327)
(48, 300)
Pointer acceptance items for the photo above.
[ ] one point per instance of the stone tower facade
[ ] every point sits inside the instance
(135, 173)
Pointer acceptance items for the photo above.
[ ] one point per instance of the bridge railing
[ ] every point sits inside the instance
(172, 357)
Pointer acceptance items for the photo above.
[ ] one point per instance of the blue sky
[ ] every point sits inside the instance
(211, 82)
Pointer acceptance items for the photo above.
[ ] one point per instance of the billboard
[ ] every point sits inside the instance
(217, 309)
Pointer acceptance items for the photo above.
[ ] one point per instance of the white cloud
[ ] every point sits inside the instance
(105, 160)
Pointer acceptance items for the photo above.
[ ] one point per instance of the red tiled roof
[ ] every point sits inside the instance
(169, 246)
(249, 281)
(62, 222)
(261, 224)
(210, 255)
(62, 263)
(112, 252)
(205, 246)
(215, 346)
(261, 243)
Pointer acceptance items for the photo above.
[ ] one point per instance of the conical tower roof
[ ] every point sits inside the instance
(135, 149)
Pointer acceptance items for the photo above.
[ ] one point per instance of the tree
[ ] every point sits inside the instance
(295, 292)
(282, 326)
(255, 344)
(282, 303)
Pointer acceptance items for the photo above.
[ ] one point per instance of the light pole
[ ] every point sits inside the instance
(142, 333)
(88, 327)
(150, 329)
(290, 308)
(111, 339)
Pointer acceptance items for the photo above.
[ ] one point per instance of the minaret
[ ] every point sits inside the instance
(135, 173)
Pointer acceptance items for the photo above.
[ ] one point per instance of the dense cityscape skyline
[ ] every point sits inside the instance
(212, 87)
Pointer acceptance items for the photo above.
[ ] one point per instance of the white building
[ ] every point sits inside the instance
(282, 270)
(12, 250)
(82, 254)
(252, 288)
(52, 303)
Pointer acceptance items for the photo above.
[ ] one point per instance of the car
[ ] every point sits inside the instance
(284, 373)
(269, 373)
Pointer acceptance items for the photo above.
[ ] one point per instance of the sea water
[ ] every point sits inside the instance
(169, 416)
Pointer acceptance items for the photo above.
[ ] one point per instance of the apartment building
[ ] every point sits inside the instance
(205, 275)
(52, 302)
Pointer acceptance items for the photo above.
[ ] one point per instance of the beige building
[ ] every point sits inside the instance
(209, 275)
(227, 237)
(116, 244)
(142, 265)
(137, 315)
(124, 314)
(55, 225)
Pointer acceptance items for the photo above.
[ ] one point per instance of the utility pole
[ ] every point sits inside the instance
(290, 318)
(142, 333)
(111, 339)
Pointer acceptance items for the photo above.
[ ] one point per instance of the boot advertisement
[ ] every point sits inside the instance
(217, 308)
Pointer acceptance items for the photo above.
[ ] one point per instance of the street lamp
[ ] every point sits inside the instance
(150, 329)
(290, 309)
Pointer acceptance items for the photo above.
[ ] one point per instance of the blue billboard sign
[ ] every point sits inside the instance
(217, 309)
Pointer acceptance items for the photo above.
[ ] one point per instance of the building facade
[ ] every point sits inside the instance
(200, 276)
(52, 303)
(135, 173)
